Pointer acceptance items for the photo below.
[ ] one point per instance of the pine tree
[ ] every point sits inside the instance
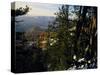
(61, 53)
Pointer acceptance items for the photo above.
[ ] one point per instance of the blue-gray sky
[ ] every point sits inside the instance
(39, 9)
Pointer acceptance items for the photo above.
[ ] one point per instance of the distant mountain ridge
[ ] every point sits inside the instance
(29, 22)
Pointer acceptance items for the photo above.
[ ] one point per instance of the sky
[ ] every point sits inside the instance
(39, 9)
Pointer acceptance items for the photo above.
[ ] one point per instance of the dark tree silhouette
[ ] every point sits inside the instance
(19, 11)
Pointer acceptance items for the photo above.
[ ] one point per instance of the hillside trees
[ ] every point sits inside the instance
(76, 38)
